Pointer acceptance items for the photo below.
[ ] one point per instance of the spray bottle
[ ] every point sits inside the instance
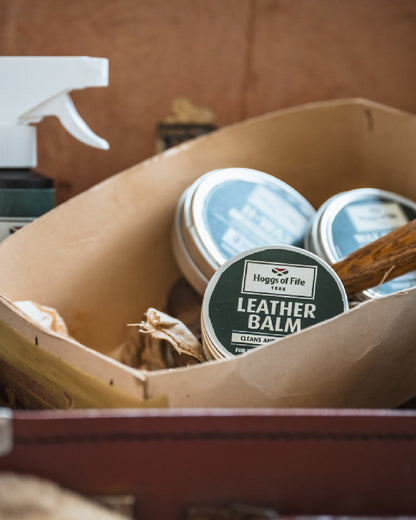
(32, 88)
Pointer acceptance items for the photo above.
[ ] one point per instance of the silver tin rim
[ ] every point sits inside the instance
(185, 261)
(192, 241)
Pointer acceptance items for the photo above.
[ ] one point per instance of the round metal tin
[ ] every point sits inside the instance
(228, 211)
(352, 219)
(265, 294)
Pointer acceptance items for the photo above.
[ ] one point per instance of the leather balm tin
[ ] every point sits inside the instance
(265, 294)
(351, 220)
(231, 210)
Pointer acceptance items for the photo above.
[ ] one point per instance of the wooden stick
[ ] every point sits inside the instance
(390, 256)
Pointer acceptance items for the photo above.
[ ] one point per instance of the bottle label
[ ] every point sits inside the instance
(268, 293)
(8, 226)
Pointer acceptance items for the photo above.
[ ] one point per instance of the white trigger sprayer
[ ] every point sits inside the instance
(32, 88)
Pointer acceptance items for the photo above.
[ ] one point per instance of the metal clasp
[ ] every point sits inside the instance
(6, 432)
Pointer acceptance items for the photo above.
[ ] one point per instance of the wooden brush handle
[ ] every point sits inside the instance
(392, 255)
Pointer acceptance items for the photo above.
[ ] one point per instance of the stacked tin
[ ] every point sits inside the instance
(260, 254)
(230, 210)
(264, 294)
(353, 219)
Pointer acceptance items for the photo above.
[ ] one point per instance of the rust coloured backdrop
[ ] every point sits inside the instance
(240, 58)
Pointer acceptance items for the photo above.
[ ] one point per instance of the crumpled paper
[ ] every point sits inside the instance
(185, 111)
(160, 341)
(46, 316)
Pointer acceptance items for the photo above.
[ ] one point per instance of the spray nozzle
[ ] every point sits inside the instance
(64, 109)
(35, 87)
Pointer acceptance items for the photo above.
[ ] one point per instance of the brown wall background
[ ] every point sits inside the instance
(240, 58)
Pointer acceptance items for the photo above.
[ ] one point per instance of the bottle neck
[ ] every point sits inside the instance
(23, 179)
(17, 146)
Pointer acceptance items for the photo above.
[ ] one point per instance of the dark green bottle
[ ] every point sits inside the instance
(24, 196)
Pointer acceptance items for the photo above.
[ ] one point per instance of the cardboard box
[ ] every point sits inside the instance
(104, 257)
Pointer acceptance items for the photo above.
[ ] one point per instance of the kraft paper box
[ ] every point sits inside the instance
(104, 257)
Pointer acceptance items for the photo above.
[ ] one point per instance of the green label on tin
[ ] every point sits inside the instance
(269, 294)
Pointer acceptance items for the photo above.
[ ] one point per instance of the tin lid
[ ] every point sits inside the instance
(352, 219)
(228, 211)
(267, 293)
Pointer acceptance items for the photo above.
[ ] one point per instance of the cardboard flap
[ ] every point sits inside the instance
(363, 358)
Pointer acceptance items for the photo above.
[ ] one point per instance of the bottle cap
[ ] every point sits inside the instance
(19, 179)
(17, 146)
